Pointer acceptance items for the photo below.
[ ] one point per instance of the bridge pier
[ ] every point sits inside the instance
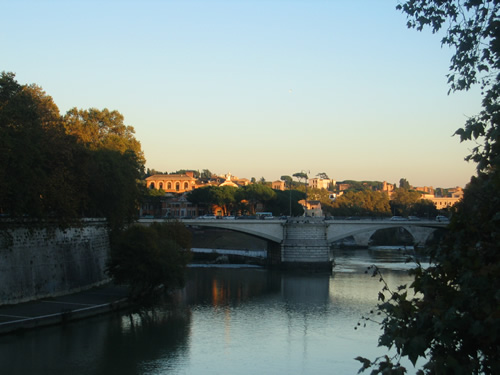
(305, 244)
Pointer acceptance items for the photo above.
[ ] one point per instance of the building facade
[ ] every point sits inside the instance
(319, 183)
(172, 183)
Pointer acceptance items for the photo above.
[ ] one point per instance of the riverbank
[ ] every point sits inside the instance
(59, 310)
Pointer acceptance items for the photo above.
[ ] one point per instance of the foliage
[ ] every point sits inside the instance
(38, 162)
(424, 208)
(104, 129)
(453, 319)
(152, 172)
(284, 202)
(206, 174)
(47, 173)
(288, 180)
(361, 203)
(246, 198)
(323, 175)
(146, 258)
(403, 201)
(301, 176)
(361, 185)
(155, 192)
(404, 184)
(113, 189)
(254, 194)
(452, 322)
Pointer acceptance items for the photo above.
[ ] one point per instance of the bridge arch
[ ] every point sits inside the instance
(256, 228)
(363, 231)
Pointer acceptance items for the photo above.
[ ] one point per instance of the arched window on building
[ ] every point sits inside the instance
(177, 186)
(186, 185)
(169, 186)
(152, 185)
(160, 186)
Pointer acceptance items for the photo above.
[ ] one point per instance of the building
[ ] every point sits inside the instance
(311, 208)
(178, 207)
(388, 188)
(278, 185)
(172, 183)
(319, 183)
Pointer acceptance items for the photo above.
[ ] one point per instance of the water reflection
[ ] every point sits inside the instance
(225, 321)
(115, 344)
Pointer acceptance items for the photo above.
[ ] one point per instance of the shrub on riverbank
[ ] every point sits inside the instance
(147, 258)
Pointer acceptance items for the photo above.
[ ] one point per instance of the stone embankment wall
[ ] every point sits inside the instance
(38, 262)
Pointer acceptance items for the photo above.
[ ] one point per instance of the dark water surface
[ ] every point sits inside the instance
(227, 320)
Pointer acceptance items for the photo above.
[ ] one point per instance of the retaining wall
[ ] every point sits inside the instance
(37, 262)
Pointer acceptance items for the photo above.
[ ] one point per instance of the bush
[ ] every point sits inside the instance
(147, 258)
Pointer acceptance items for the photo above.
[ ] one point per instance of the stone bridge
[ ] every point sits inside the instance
(307, 240)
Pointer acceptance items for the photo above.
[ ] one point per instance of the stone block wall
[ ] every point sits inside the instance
(305, 243)
(37, 262)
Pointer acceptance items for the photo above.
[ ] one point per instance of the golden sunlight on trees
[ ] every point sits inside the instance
(102, 130)
(47, 173)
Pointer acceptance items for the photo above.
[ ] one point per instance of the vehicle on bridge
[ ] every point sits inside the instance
(398, 218)
(207, 217)
(442, 219)
(264, 215)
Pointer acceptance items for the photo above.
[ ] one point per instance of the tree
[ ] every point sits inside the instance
(288, 180)
(255, 193)
(452, 322)
(206, 174)
(424, 208)
(404, 184)
(286, 203)
(48, 173)
(301, 175)
(361, 203)
(202, 196)
(38, 161)
(403, 201)
(102, 130)
(323, 175)
(146, 258)
(113, 187)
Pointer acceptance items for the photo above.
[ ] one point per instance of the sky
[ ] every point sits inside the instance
(251, 87)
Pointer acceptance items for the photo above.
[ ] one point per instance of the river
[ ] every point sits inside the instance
(227, 320)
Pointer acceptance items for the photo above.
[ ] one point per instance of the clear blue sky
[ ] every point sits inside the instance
(256, 88)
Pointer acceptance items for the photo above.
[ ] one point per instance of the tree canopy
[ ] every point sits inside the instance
(245, 199)
(51, 168)
(146, 258)
(361, 203)
(102, 130)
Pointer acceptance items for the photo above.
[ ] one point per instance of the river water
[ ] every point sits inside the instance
(227, 320)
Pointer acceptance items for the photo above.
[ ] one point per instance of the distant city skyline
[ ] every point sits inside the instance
(310, 177)
(255, 88)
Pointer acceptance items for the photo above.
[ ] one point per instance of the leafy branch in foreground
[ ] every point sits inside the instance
(453, 322)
